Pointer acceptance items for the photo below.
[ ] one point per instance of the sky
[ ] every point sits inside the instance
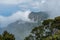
(8, 7)
(13, 10)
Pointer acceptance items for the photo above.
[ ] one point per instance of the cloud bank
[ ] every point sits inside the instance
(19, 15)
(33, 5)
(24, 4)
(51, 6)
(18, 1)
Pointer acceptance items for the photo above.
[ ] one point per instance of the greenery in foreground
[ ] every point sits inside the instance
(7, 36)
(49, 30)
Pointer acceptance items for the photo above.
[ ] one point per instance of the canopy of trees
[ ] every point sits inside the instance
(7, 36)
(49, 30)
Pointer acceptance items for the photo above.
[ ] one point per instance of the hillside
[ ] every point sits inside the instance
(21, 29)
(49, 30)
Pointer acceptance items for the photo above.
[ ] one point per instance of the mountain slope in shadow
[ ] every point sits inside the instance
(21, 30)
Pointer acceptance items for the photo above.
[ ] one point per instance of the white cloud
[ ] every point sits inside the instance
(13, 1)
(8, 1)
(24, 4)
(53, 7)
(28, 2)
(32, 4)
(16, 16)
(43, 1)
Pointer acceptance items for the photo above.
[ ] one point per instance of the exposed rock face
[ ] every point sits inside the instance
(38, 16)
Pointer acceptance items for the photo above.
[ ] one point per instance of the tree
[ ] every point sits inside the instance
(49, 30)
(1, 38)
(46, 22)
(7, 36)
(57, 22)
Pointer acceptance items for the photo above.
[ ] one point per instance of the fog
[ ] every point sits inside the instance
(52, 7)
(19, 15)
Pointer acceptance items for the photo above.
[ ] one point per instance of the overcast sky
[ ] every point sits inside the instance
(14, 10)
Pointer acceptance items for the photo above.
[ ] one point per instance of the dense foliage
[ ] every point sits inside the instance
(49, 30)
(7, 36)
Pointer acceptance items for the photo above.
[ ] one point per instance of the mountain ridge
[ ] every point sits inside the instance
(21, 30)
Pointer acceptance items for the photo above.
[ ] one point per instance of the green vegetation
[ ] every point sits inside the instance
(7, 36)
(49, 30)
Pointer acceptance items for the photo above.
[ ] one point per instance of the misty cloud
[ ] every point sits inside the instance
(24, 4)
(52, 7)
(18, 1)
(20, 15)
